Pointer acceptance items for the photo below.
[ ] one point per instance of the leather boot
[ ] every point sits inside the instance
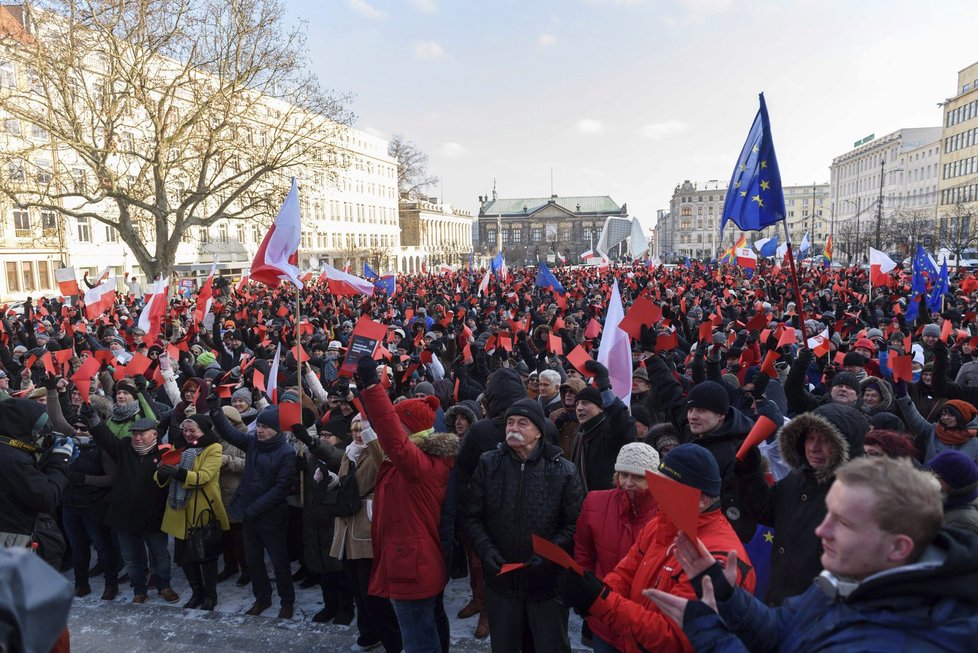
(482, 629)
(473, 608)
(192, 572)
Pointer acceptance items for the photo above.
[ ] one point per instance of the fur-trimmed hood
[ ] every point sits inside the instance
(885, 389)
(847, 442)
(443, 445)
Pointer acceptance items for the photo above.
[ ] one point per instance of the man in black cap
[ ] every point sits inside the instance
(137, 503)
(524, 488)
(843, 388)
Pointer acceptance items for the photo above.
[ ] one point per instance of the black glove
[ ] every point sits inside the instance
(214, 403)
(141, 383)
(50, 381)
(760, 385)
(76, 478)
(493, 562)
(602, 379)
(302, 435)
(367, 371)
(900, 388)
(580, 592)
(722, 590)
(649, 336)
(88, 415)
(164, 472)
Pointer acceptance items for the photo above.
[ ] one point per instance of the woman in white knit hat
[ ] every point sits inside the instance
(610, 520)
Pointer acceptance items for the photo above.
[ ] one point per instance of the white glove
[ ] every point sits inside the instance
(64, 446)
(368, 435)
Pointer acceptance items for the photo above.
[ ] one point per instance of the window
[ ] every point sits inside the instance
(111, 234)
(12, 126)
(517, 234)
(27, 274)
(79, 176)
(205, 235)
(491, 236)
(241, 233)
(222, 232)
(44, 274)
(13, 281)
(22, 223)
(49, 223)
(38, 133)
(7, 77)
(84, 230)
(536, 234)
(43, 171)
(15, 170)
(506, 236)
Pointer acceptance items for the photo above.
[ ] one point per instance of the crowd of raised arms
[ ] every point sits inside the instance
(774, 471)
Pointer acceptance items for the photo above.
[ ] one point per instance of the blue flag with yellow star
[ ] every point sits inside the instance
(755, 198)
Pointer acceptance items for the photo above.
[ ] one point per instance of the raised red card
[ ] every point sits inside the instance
(763, 428)
(578, 357)
(289, 413)
(680, 503)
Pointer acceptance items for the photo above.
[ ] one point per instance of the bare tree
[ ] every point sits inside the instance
(851, 238)
(161, 117)
(959, 229)
(907, 227)
(412, 167)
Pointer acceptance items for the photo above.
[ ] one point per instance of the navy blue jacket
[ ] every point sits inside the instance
(260, 500)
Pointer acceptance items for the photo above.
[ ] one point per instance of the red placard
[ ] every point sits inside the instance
(83, 376)
(667, 342)
(138, 364)
(171, 457)
(706, 332)
(425, 357)
(547, 549)
(763, 428)
(680, 502)
(593, 329)
(768, 365)
(945, 330)
(511, 566)
(578, 357)
(367, 334)
(641, 312)
(289, 414)
(787, 337)
(902, 367)
(555, 344)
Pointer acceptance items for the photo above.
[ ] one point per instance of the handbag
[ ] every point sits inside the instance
(344, 499)
(47, 540)
(205, 539)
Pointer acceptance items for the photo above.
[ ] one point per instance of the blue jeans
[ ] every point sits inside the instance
(134, 547)
(601, 646)
(418, 628)
(83, 531)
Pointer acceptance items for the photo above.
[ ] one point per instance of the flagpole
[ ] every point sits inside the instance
(799, 301)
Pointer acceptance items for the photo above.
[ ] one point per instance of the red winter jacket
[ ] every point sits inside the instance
(651, 564)
(411, 484)
(606, 529)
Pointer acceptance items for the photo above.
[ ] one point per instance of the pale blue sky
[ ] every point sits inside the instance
(630, 97)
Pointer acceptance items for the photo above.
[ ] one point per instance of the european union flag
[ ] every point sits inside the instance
(767, 246)
(939, 290)
(923, 263)
(386, 284)
(918, 292)
(688, 263)
(369, 273)
(546, 279)
(755, 198)
(497, 264)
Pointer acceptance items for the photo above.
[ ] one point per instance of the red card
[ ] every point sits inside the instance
(505, 341)
(224, 391)
(138, 364)
(171, 457)
(83, 376)
(681, 503)
(706, 332)
(667, 342)
(758, 322)
(555, 344)
(282, 311)
(104, 356)
(763, 428)
(840, 357)
(642, 311)
(578, 357)
(511, 566)
(768, 365)
(289, 413)
(366, 335)
(547, 549)
(902, 367)
(426, 357)
(945, 330)
(593, 329)
(787, 337)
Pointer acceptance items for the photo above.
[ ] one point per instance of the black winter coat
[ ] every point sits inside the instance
(597, 445)
(503, 389)
(510, 499)
(137, 502)
(28, 487)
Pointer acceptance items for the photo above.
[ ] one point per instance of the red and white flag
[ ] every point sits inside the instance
(605, 264)
(615, 352)
(880, 266)
(271, 387)
(67, 282)
(205, 298)
(342, 283)
(103, 275)
(346, 266)
(151, 317)
(243, 281)
(445, 268)
(278, 256)
(100, 299)
(485, 282)
(746, 258)
(588, 254)
(424, 265)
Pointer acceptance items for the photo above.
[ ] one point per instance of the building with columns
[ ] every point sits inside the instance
(533, 229)
(433, 232)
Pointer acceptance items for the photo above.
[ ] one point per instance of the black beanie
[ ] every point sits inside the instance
(22, 419)
(693, 465)
(530, 409)
(709, 395)
(642, 414)
(591, 394)
(846, 378)
(854, 359)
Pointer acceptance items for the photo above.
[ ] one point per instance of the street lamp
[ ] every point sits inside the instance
(879, 205)
(856, 216)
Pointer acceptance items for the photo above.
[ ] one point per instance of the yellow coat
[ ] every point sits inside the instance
(206, 473)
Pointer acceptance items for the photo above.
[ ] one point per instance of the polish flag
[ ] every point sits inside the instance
(346, 266)
(561, 257)
(746, 258)
(444, 268)
(588, 254)
(615, 352)
(271, 388)
(100, 299)
(820, 343)
(485, 282)
(880, 266)
(424, 265)
(342, 283)
(103, 275)
(243, 281)
(277, 257)
(205, 298)
(151, 317)
(605, 264)
(67, 281)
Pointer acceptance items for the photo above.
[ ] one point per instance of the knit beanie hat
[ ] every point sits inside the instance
(126, 385)
(233, 415)
(932, 330)
(532, 410)
(268, 417)
(590, 393)
(203, 421)
(418, 415)
(242, 394)
(847, 379)
(709, 395)
(637, 458)
(424, 389)
(206, 359)
(853, 359)
(642, 414)
(960, 473)
(695, 466)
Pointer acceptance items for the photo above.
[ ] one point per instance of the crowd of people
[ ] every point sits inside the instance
(251, 431)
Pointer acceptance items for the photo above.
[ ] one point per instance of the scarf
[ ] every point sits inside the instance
(143, 449)
(354, 451)
(954, 437)
(122, 412)
(249, 413)
(178, 493)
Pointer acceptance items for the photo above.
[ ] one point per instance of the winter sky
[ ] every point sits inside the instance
(627, 98)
